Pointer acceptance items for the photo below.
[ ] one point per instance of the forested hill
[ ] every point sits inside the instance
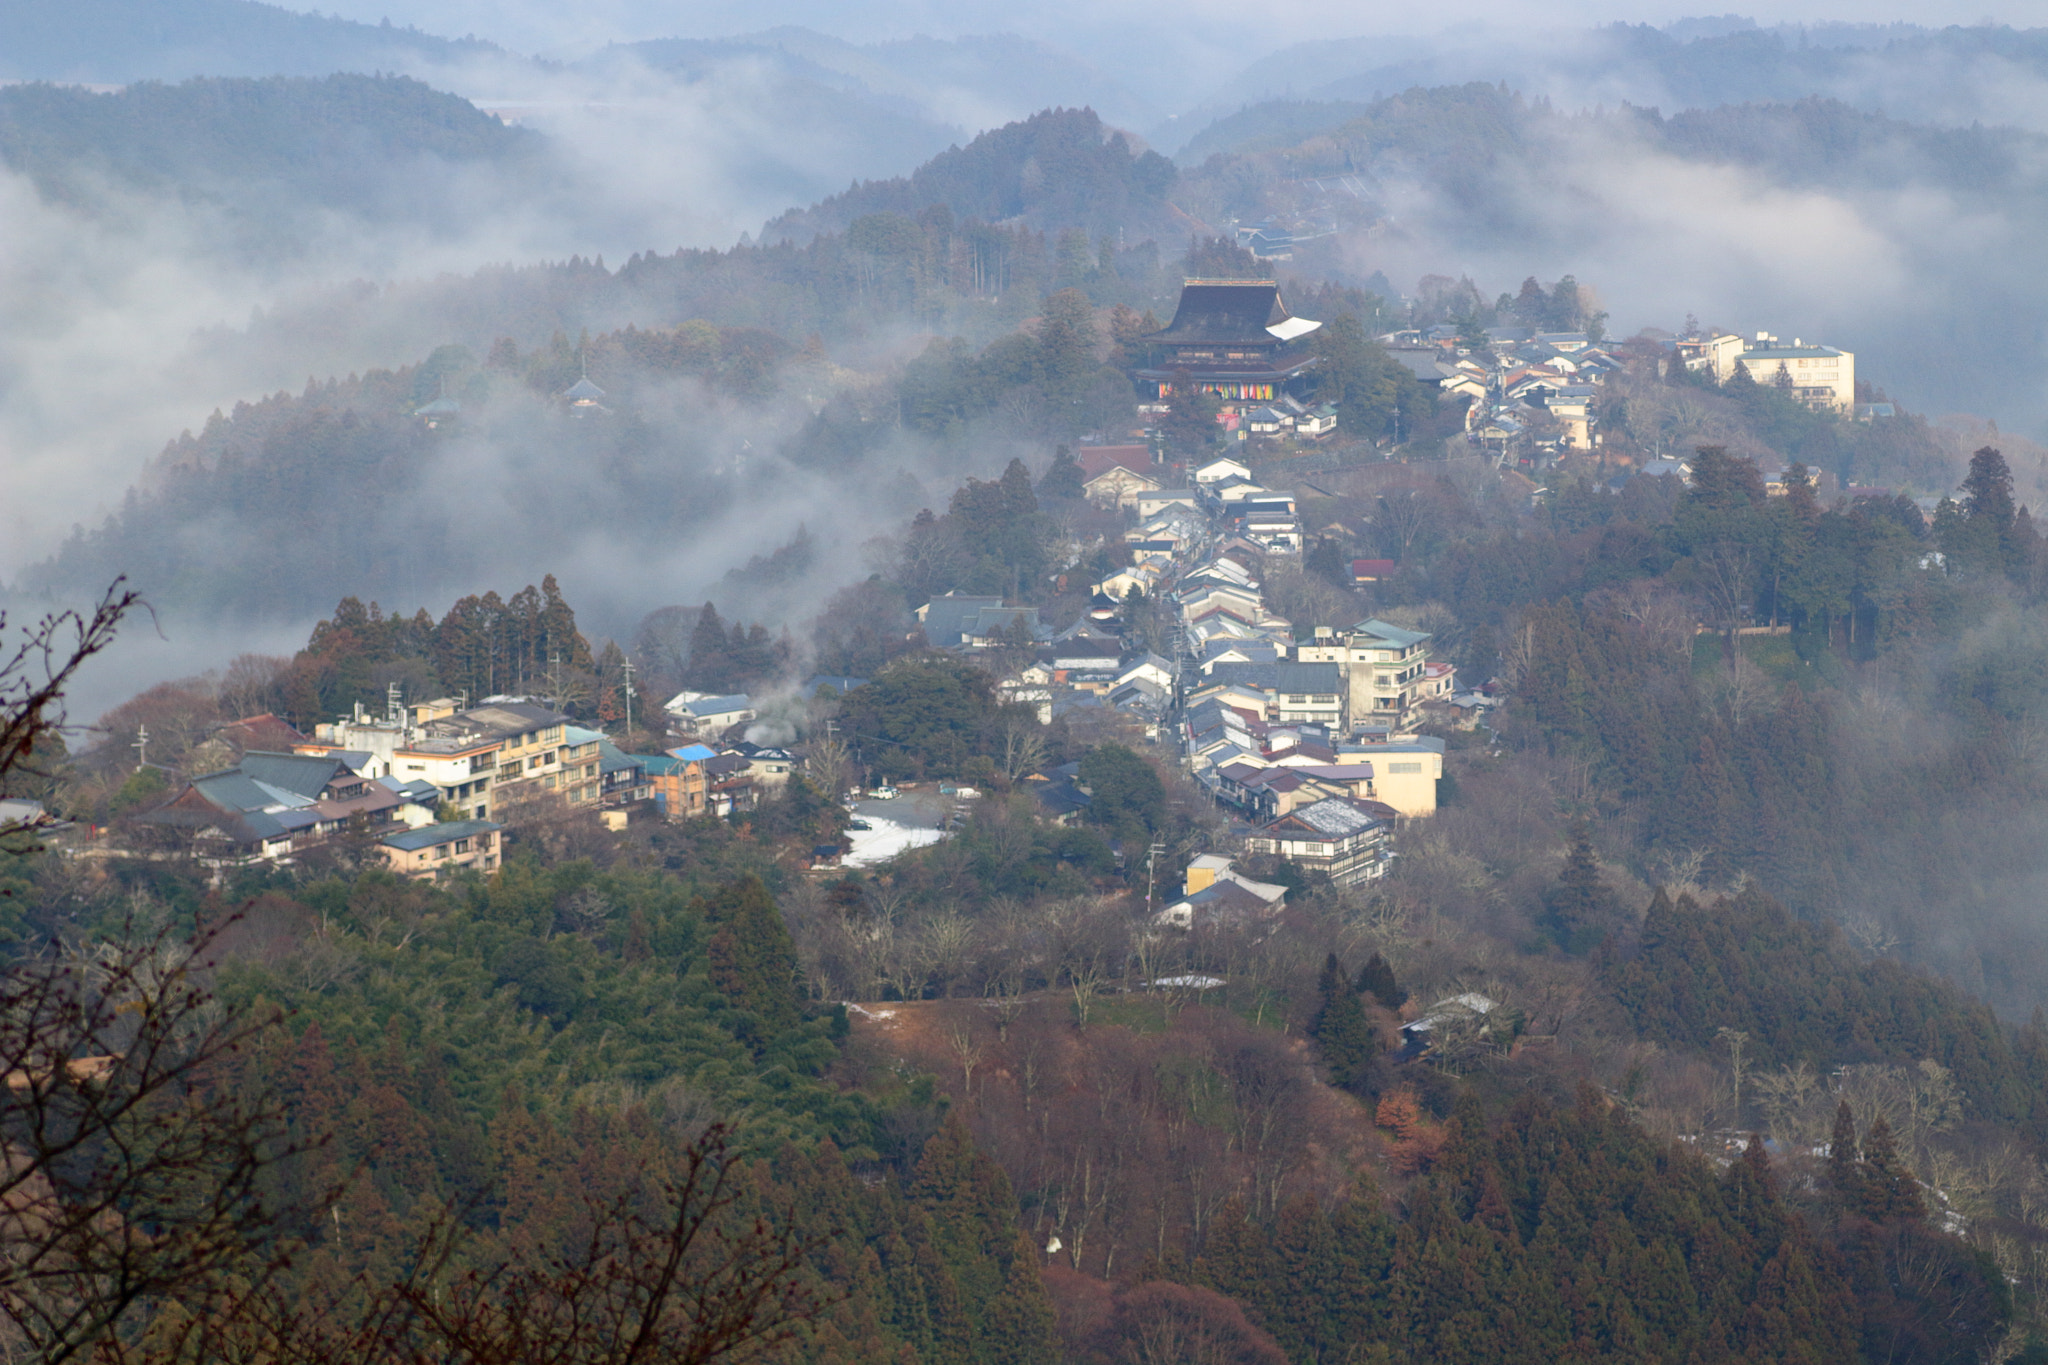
(113, 42)
(1434, 131)
(1062, 168)
(1472, 171)
(335, 140)
(1952, 75)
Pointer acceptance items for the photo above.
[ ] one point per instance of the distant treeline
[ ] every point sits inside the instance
(334, 141)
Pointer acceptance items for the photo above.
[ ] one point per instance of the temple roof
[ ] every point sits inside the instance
(1231, 311)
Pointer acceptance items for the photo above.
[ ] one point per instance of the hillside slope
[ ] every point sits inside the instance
(114, 42)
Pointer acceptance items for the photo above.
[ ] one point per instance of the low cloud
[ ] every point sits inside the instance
(1916, 278)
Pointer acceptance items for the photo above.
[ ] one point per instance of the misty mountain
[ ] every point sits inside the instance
(114, 42)
(971, 82)
(733, 421)
(1063, 168)
(1952, 75)
(1811, 216)
(1456, 133)
(340, 140)
(264, 154)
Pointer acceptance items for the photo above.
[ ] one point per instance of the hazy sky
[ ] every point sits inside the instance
(1098, 28)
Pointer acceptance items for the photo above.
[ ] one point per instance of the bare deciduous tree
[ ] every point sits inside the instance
(129, 1167)
(34, 674)
(674, 1269)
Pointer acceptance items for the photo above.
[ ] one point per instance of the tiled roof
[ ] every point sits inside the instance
(1391, 633)
(427, 836)
(1334, 817)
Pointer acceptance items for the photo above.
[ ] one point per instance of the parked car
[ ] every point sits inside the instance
(884, 793)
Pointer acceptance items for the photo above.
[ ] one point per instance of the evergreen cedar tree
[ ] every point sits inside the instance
(482, 646)
(1547, 1234)
(1063, 477)
(724, 660)
(1344, 1037)
(1377, 980)
(927, 713)
(1567, 1234)
(1580, 909)
(1799, 992)
(752, 959)
(1125, 793)
(920, 1259)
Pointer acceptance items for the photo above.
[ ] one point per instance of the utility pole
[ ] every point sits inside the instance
(141, 747)
(629, 696)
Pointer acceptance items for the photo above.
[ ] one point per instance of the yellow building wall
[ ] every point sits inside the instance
(1411, 793)
(1837, 374)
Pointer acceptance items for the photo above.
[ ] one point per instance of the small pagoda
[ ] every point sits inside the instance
(584, 398)
(1234, 339)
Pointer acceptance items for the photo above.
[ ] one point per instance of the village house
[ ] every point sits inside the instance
(1818, 376)
(1219, 469)
(435, 851)
(1346, 839)
(957, 621)
(730, 785)
(698, 713)
(771, 767)
(1143, 578)
(1365, 571)
(1295, 692)
(1115, 476)
(1317, 422)
(1405, 772)
(679, 780)
(477, 757)
(1149, 505)
(1213, 891)
(1382, 664)
(272, 805)
(623, 775)
(1268, 521)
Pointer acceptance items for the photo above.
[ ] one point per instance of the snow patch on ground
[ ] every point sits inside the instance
(872, 847)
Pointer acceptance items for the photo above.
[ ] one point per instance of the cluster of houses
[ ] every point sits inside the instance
(1310, 741)
(434, 785)
(1536, 395)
